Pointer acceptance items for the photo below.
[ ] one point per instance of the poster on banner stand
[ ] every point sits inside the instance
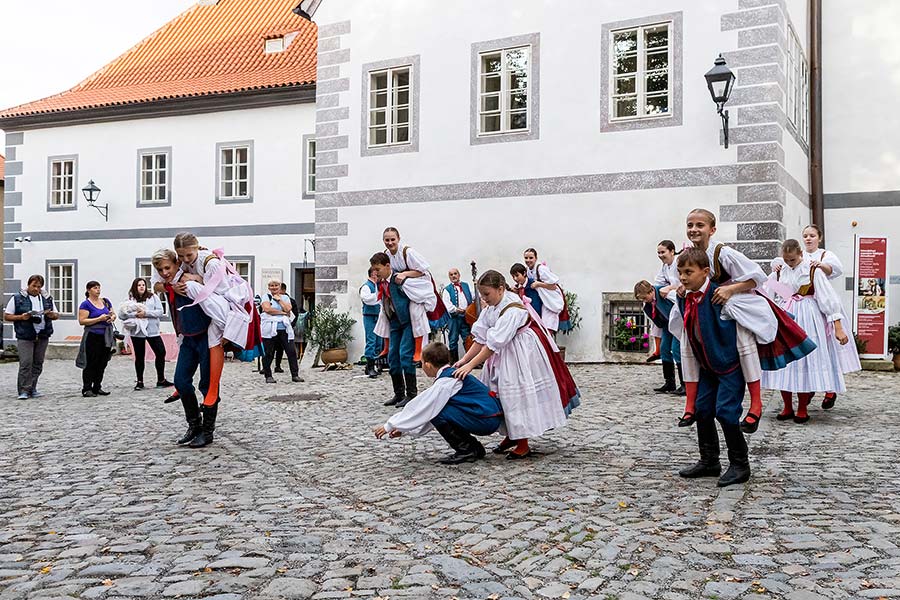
(870, 290)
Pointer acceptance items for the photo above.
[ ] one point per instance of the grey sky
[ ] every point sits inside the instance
(50, 45)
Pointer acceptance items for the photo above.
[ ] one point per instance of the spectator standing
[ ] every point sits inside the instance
(295, 314)
(95, 314)
(275, 312)
(140, 315)
(32, 313)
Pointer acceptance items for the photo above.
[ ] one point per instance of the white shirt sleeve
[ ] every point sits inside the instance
(415, 261)
(505, 329)
(661, 277)
(480, 328)
(448, 302)
(740, 267)
(831, 259)
(547, 276)
(11, 306)
(676, 319)
(368, 297)
(415, 418)
(826, 297)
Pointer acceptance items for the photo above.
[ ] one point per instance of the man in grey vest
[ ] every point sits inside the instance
(31, 311)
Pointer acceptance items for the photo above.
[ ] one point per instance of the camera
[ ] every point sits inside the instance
(118, 335)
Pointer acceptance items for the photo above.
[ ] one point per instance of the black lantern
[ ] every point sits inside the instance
(92, 194)
(720, 81)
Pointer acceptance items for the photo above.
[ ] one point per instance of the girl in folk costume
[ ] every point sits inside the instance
(226, 298)
(769, 338)
(808, 295)
(553, 301)
(522, 366)
(669, 349)
(412, 272)
(657, 308)
(828, 263)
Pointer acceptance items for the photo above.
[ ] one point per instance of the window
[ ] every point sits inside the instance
(154, 176)
(145, 270)
(62, 182)
(389, 107)
(503, 91)
(234, 172)
(244, 268)
(61, 285)
(628, 328)
(275, 45)
(640, 71)
(310, 167)
(797, 88)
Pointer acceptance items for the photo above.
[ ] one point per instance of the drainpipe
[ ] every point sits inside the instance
(816, 199)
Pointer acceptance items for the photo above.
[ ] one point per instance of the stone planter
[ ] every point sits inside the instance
(334, 355)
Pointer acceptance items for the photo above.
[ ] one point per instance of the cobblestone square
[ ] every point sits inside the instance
(297, 499)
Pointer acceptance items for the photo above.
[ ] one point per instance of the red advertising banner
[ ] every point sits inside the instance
(870, 306)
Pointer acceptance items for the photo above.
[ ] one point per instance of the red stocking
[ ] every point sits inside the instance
(788, 404)
(690, 401)
(521, 448)
(755, 401)
(216, 364)
(418, 354)
(802, 403)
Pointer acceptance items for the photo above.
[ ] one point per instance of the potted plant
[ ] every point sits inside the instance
(331, 331)
(574, 319)
(894, 344)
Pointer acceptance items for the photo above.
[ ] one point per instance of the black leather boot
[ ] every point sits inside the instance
(679, 391)
(370, 368)
(205, 438)
(738, 456)
(467, 448)
(411, 391)
(708, 444)
(192, 416)
(669, 376)
(399, 389)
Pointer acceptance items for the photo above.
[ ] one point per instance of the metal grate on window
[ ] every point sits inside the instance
(628, 327)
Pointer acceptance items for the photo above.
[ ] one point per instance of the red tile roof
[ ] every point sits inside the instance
(214, 49)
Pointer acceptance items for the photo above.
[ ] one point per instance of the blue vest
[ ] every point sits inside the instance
(715, 344)
(373, 310)
(401, 306)
(532, 294)
(192, 320)
(25, 329)
(454, 295)
(663, 308)
(474, 398)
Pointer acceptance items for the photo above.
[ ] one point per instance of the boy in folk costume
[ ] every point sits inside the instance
(553, 301)
(657, 308)
(522, 366)
(457, 298)
(191, 324)
(371, 308)
(712, 371)
(399, 321)
(411, 270)
(828, 263)
(457, 408)
(805, 289)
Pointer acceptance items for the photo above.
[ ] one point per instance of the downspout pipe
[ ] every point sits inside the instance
(816, 194)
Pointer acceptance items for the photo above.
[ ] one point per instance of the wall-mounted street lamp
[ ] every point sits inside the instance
(313, 244)
(720, 81)
(92, 194)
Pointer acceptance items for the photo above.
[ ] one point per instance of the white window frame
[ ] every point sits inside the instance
(390, 108)
(222, 150)
(62, 192)
(241, 261)
(505, 108)
(640, 93)
(797, 87)
(154, 153)
(65, 299)
(309, 179)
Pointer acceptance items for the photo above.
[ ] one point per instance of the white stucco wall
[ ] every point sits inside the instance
(107, 153)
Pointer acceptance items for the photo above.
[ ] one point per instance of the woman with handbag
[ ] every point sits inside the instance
(98, 341)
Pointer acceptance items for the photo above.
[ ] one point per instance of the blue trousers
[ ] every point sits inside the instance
(669, 348)
(467, 421)
(194, 353)
(720, 396)
(402, 349)
(373, 345)
(458, 329)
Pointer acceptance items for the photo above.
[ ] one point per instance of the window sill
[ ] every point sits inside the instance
(520, 135)
(237, 200)
(635, 123)
(154, 204)
(61, 208)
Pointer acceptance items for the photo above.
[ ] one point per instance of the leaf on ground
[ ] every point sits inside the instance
(47, 569)
(623, 505)
(108, 582)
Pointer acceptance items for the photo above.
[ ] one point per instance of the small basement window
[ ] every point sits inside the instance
(628, 329)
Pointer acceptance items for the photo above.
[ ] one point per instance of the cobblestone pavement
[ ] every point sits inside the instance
(296, 499)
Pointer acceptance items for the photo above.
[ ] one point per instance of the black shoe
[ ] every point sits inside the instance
(139, 386)
(461, 457)
(279, 370)
(205, 437)
(172, 398)
(164, 383)
(801, 420)
(652, 358)
(505, 446)
(297, 379)
(687, 419)
(101, 392)
(418, 364)
(680, 391)
(371, 371)
(270, 380)
(738, 457)
(828, 401)
(750, 426)
(708, 445)
(409, 380)
(88, 393)
(784, 416)
(669, 377)
(192, 431)
(399, 389)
